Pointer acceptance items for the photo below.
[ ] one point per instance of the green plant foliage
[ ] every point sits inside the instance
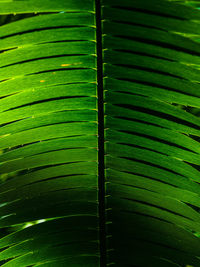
(50, 183)
(152, 142)
(49, 135)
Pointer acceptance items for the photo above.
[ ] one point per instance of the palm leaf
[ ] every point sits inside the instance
(49, 135)
(151, 72)
(58, 205)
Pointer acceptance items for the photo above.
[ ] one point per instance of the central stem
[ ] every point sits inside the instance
(101, 177)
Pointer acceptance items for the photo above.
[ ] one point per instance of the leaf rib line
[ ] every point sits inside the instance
(101, 166)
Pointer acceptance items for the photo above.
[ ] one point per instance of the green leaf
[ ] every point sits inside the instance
(48, 116)
(99, 133)
(151, 65)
